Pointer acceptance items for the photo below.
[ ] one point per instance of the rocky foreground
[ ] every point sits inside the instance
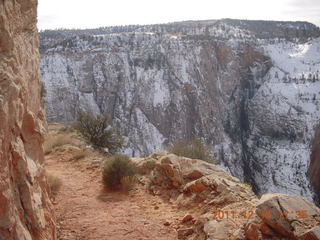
(174, 197)
(228, 208)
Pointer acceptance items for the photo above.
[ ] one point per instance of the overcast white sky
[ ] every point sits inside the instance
(98, 13)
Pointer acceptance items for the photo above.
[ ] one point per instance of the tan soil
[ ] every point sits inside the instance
(85, 211)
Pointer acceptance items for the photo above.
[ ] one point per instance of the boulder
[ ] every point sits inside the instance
(283, 215)
(219, 230)
(144, 165)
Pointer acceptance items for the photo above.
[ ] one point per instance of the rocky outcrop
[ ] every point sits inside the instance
(224, 208)
(314, 168)
(25, 206)
(197, 180)
(283, 216)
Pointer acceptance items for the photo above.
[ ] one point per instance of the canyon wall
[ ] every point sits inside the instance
(314, 168)
(25, 212)
(249, 89)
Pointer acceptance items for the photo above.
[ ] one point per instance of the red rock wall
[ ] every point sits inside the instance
(25, 208)
(314, 168)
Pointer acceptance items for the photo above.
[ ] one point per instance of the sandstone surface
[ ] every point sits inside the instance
(25, 212)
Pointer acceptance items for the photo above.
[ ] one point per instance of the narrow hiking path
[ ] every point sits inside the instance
(85, 212)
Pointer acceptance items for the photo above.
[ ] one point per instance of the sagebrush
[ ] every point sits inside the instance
(97, 131)
(194, 149)
(118, 170)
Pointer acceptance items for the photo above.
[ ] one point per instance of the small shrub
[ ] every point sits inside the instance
(115, 169)
(194, 149)
(54, 183)
(55, 141)
(98, 132)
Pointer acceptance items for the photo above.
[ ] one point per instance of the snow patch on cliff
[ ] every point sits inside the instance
(287, 104)
(295, 59)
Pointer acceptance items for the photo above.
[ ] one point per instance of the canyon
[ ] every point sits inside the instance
(251, 95)
(248, 89)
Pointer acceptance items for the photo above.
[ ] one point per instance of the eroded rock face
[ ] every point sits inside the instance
(314, 168)
(191, 182)
(25, 212)
(223, 207)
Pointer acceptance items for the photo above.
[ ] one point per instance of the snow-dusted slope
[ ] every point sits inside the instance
(249, 89)
(283, 115)
(156, 88)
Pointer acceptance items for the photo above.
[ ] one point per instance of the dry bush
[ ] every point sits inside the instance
(97, 130)
(55, 184)
(53, 142)
(115, 169)
(194, 149)
(128, 182)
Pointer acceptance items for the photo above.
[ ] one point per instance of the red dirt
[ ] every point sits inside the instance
(86, 212)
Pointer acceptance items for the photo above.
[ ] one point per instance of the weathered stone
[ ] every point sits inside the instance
(283, 215)
(244, 216)
(26, 211)
(167, 223)
(312, 234)
(183, 233)
(219, 230)
(144, 165)
(252, 229)
(197, 186)
(186, 218)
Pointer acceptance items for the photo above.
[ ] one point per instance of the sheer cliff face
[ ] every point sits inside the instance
(156, 88)
(25, 207)
(249, 93)
(314, 168)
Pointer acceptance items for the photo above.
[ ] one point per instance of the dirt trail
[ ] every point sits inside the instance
(85, 212)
